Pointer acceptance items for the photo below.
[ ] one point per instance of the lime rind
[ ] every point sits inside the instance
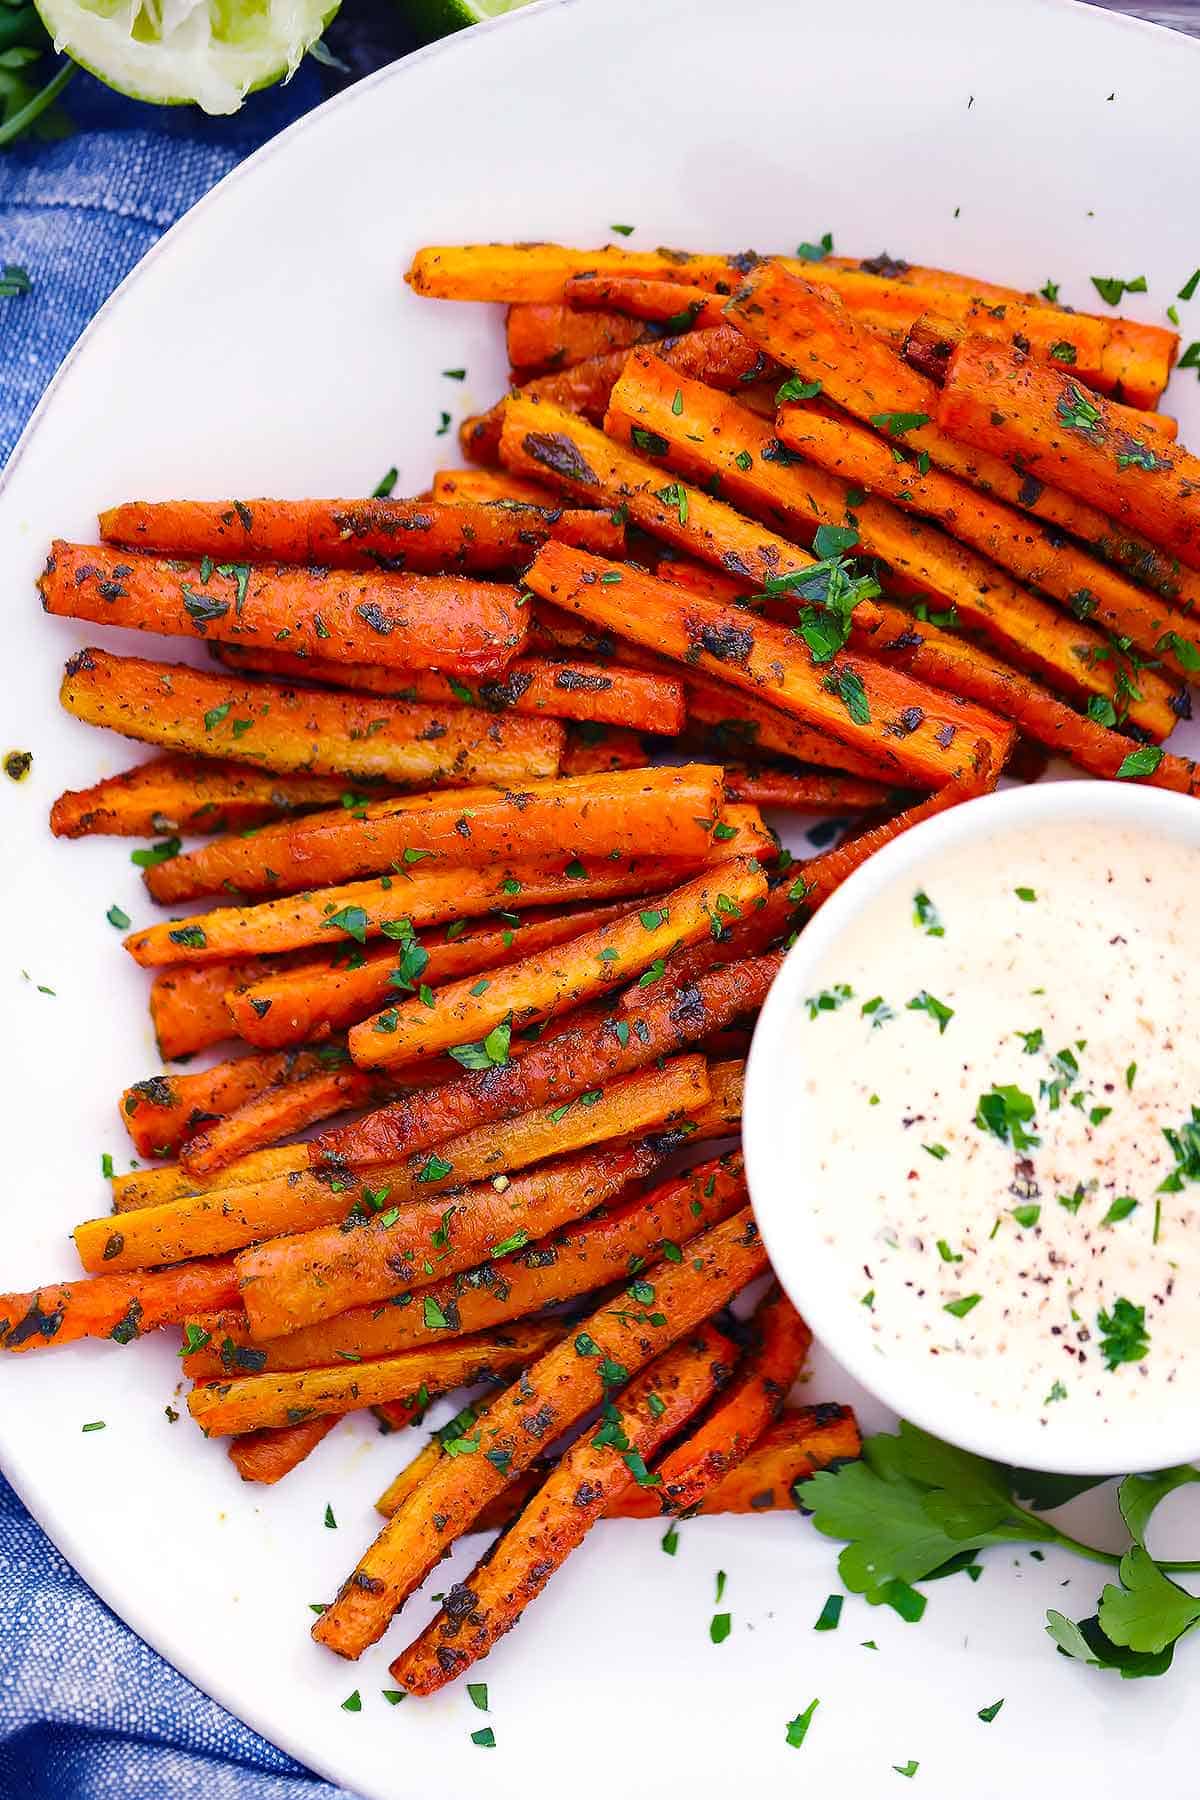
(210, 53)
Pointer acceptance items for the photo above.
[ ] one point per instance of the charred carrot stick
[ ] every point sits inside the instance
(280, 1112)
(534, 687)
(706, 433)
(361, 909)
(579, 1060)
(739, 724)
(668, 303)
(963, 668)
(635, 1235)
(120, 1307)
(593, 1475)
(1007, 404)
(558, 1389)
(230, 1217)
(184, 793)
(187, 1006)
(547, 983)
(267, 1456)
(1088, 587)
(538, 438)
(454, 487)
(413, 536)
(601, 749)
(290, 730)
(850, 698)
(817, 791)
(544, 338)
(1137, 359)
(164, 1111)
(749, 1407)
(537, 272)
(310, 998)
(154, 1187)
(406, 621)
(266, 1402)
(585, 815)
(297, 1281)
(811, 332)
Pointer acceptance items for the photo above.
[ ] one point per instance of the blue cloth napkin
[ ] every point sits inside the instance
(87, 1710)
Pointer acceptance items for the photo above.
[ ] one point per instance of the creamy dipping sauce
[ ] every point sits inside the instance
(998, 1065)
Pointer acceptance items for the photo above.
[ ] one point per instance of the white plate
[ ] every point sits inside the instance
(268, 345)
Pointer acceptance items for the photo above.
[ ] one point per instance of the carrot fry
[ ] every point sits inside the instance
(545, 338)
(535, 273)
(668, 303)
(1137, 361)
(593, 1475)
(601, 749)
(280, 1112)
(539, 437)
(308, 999)
(1091, 589)
(818, 792)
(573, 1262)
(154, 1187)
(313, 1275)
(804, 1440)
(120, 1307)
(739, 724)
(811, 332)
(415, 1470)
(751, 1404)
(557, 1390)
(548, 983)
(962, 668)
(187, 1006)
(1007, 404)
(183, 793)
(230, 1217)
(267, 1456)
(290, 730)
(416, 536)
(453, 487)
(579, 1060)
(163, 1112)
(705, 433)
(266, 1402)
(584, 815)
(910, 730)
(362, 909)
(406, 621)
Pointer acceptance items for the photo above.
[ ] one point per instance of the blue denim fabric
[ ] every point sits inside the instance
(88, 1711)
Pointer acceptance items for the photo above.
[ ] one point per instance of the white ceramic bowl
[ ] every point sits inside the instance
(778, 1147)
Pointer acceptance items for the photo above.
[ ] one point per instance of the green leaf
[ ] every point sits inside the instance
(1148, 1611)
(1142, 761)
(797, 1728)
(1087, 1643)
(1138, 1495)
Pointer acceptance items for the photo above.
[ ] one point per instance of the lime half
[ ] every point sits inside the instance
(210, 53)
(436, 18)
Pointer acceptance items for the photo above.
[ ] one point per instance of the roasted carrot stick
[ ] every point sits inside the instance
(817, 791)
(266, 1402)
(184, 793)
(600, 749)
(533, 687)
(592, 1476)
(552, 982)
(1045, 559)
(267, 1456)
(415, 1470)
(280, 1112)
(851, 699)
(963, 668)
(537, 272)
(706, 433)
(299, 1280)
(187, 1006)
(739, 724)
(170, 1181)
(120, 1307)
(416, 536)
(752, 1403)
(361, 909)
(579, 1060)
(406, 621)
(310, 998)
(668, 303)
(811, 332)
(1137, 361)
(1013, 407)
(164, 1111)
(291, 730)
(609, 1248)
(544, 338)
(557, 1390)
(230, 1217)
(584, 815)
(454, 487)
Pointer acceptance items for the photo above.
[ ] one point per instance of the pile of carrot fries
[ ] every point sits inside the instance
(852, 538)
